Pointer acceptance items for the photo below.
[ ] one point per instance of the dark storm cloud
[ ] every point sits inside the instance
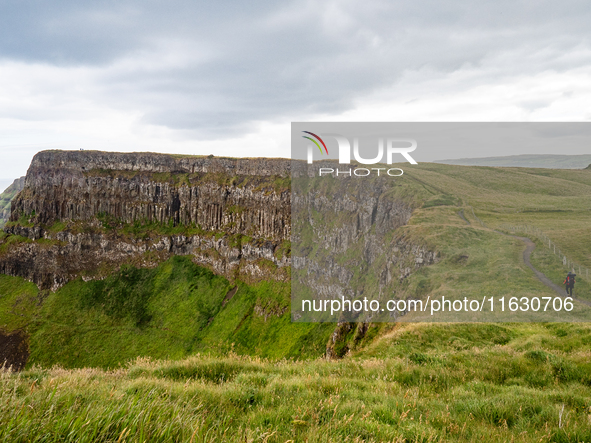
(215, 67)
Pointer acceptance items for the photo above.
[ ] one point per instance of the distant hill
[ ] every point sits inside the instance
(526, 161)
(7, 196)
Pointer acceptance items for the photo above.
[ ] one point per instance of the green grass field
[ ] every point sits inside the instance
(556, 201)
(417, 382)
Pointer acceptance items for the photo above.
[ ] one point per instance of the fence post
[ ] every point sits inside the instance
(552, 246)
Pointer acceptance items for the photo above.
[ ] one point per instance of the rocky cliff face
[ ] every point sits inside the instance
(238, 196)
(85, 214)
(349, 242)
(88, 212)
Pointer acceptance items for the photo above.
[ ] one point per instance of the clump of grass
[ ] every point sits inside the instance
(426, 397)
(10, 241)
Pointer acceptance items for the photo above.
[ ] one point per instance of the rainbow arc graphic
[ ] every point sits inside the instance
(315, 142)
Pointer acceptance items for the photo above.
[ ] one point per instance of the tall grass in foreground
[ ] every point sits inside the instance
(450, 388)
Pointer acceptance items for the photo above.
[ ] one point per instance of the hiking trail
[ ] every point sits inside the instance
(529, 248)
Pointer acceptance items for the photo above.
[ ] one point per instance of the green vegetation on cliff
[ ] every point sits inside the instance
(6, 197)
(171, 311)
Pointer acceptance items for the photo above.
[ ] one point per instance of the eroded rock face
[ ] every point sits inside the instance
(348, 243)
(236, 196)
(63, 256)
(241, 206)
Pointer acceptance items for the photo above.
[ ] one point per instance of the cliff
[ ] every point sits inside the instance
(120, 221)
(86, 213)
(246, 196)
(349, 241)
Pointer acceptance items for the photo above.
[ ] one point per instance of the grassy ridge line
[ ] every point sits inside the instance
(556, 201)
(476, 262)
(418, 383)
(526, 161)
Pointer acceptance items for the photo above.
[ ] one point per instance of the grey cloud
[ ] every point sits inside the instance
(248, 61)
(532, 105)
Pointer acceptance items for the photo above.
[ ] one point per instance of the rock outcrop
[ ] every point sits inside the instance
(237, 196)
(348, 243)
(89, 212)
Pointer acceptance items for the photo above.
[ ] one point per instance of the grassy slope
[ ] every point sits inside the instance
(459, 382)
(170, 312)
(556, 201)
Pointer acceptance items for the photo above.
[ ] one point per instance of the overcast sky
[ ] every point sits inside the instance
(227, 78)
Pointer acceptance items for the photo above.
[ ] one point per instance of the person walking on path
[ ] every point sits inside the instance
(569, 281)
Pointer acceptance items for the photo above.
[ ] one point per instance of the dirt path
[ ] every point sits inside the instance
(461, 214)
(529, 248)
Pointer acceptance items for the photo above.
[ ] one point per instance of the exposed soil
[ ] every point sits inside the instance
(229, 295)
(14, 350)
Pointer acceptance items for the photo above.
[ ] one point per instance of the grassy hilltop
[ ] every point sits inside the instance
(259, 377)
(526, 161)
(479, 260)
